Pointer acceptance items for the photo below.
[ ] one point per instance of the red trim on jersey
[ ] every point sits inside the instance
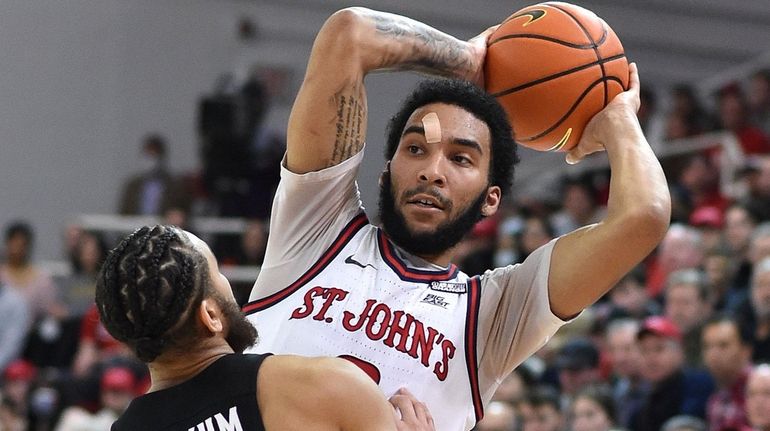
(410, 274)
(344, 237)
(471, 329)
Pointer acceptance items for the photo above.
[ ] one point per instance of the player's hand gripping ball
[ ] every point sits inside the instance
(553, 66)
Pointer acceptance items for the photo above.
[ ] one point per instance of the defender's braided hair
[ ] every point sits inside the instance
(146, 286)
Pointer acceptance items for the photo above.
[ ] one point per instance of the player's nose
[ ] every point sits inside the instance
(433, 171)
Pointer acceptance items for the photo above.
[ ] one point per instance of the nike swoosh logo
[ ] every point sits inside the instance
(533, 15)
(350, 260)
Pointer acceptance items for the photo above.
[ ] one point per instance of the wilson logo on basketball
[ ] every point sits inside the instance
(397, 329)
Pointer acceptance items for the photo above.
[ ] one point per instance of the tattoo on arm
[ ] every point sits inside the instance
(348, 120)
(431, 50)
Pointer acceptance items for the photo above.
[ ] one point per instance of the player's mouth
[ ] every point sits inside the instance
(425, 201)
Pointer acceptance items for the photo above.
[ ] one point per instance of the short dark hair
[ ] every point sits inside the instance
(147, 285)
(19, 227)
(602, 396)
(474, 100)
(544, 395)
(745, 334)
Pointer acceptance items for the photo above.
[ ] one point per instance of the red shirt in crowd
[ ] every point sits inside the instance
(726, 410)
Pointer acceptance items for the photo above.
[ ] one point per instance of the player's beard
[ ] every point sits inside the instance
(241, 334)
(445, 236)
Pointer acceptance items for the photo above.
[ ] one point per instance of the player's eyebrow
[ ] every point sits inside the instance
(414, 129)
(470, 143)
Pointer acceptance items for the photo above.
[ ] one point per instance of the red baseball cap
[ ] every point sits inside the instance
(707, 217)
(118, 379)
(660, 326)
(20, 370)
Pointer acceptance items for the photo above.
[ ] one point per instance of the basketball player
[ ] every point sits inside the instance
(389, 298)
(161, 292)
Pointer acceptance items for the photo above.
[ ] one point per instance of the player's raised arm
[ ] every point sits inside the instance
(328, 120)
(589, 261)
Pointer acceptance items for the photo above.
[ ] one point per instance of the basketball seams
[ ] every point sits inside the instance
(572, 108)
(548, 39)
(557, 75)
(591, 39)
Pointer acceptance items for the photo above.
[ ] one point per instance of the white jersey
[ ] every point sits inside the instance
(334, 285)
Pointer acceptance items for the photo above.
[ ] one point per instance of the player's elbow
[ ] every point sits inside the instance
(341, 33)
(649, 222)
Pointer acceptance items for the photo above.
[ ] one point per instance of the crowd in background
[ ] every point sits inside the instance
(673, 346)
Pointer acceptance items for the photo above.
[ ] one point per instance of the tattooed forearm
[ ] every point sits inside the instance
(349, 123)
(426, 49)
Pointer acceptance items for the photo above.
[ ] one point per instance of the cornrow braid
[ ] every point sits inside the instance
(147, 285)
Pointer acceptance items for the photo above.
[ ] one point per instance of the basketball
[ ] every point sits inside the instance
(553, 66)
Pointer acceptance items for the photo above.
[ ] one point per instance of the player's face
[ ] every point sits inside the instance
(439, 177)
(239, 332)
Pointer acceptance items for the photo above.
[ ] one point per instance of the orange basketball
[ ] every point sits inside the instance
(553, 66)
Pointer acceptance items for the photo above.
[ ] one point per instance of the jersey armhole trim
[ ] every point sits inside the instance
(358, 222)
(471, 331)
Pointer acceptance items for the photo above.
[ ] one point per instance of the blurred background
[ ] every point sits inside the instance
(117, 113)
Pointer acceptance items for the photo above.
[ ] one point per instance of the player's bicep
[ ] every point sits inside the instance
(327, 124)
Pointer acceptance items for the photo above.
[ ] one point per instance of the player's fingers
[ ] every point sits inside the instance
(575, 155)
(404, 406)
(633, 77)
(420, 409)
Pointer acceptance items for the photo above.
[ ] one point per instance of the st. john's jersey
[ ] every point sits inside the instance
(332, 284)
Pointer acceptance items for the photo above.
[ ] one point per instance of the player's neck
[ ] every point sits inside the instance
(173, 368)
(442, 259)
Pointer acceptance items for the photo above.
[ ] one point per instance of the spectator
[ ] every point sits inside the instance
(19, 273)
(153, 190)
(650, 118)
(755, 311)
(684, 423)
(759, 99)
(10, 417)
(710, 221)
(578, 365)
(629, 297)
(675, 389)
(498, 416)
(688, 304)
(719, 269)
(727, 356)
(118, 388)
(696, 187)
(18, 380)
(78, 289)
(681, 248)
(628, 389)
(578, 208)
(17, 318)
(96, 345)
(593, 410)
(540, 410)
(758, 398)
(687, 108)
(734, 116)
(757, 179)
(739, 224)
(536, 231)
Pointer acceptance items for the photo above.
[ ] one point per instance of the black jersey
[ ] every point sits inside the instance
(222, 397)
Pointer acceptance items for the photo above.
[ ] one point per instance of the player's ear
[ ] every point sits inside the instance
(384, 173)
(210, 315)
(492, 202)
